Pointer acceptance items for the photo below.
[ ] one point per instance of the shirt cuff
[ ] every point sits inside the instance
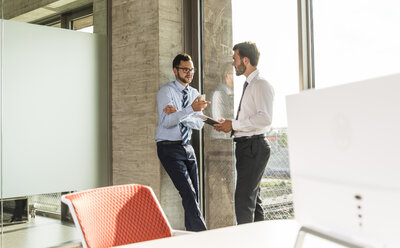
(235, 125)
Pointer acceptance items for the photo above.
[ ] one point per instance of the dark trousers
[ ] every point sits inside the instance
(180, 163)
(19, 210)
(251, 159)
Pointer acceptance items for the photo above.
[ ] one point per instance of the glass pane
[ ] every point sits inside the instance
(86, 30)
(84, 24)
(57, 25)
(37, 153)
(355, 42)
(273, 27)
(2, 213)
(218, 87)
(56, 136)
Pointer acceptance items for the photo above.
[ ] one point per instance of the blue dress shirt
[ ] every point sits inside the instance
(168, 125)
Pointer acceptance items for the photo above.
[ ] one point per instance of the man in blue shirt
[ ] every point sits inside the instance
(178, 103)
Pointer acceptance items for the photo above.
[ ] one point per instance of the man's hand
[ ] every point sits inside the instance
(198, 105)
(170, 109)
(225, 126)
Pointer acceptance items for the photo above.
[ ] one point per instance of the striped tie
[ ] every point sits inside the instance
(184, 129)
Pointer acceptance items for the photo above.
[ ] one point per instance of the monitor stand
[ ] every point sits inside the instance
(305, 230)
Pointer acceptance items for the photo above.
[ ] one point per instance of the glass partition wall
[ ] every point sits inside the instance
(1, 126)
(272, 25)
(54, 88)
(219, 172)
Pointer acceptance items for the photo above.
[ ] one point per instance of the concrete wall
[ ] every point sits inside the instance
(135, 82)
(146, 36)
(33, 10)
(12, 8)
(100, 17)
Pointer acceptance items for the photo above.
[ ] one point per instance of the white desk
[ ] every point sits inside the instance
(267, 234)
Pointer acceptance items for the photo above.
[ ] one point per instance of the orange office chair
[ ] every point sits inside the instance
(117, 215)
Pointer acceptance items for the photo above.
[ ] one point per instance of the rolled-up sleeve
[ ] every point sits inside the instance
(193, 122)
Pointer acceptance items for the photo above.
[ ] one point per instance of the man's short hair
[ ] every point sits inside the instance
(182, 56)
(248, 49)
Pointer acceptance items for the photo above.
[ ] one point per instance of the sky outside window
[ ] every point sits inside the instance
(355, 40)
(272, 25)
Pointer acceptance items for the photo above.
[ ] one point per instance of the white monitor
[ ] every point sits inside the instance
(344, 150)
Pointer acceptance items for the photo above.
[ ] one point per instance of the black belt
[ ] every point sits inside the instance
(244, 138)
(169, 142)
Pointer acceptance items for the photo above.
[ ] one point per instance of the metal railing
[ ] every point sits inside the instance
(49, 203)
(276, 187)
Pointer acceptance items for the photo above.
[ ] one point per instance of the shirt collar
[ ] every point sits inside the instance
(227, 90)
(179, 86)
(252, 76)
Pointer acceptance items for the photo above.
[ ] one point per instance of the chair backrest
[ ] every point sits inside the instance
(117, 215)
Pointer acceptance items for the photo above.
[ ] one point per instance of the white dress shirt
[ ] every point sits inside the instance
(255, 116)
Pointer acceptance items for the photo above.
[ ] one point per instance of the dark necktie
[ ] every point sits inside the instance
(184, 129)
(240, 103)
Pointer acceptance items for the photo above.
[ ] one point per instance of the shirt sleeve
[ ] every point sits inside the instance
(263, 96)
(216, 105)
(164, 98)
(191, 120)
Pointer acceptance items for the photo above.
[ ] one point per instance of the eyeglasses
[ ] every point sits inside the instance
(187, 70)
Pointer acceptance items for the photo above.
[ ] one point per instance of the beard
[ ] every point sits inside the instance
(184, 79)
(240, 69)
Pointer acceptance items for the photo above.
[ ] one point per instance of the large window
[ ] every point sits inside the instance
(84, 24)
(355, 40)
(273, 26)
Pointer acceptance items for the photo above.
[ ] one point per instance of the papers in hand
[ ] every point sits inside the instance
(207, 119)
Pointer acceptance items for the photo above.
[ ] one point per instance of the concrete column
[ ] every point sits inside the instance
(146, 36)
(100, 17)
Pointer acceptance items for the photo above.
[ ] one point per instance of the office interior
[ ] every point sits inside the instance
(79, 80)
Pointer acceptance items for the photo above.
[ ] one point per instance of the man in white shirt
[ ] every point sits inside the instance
(253, 120)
